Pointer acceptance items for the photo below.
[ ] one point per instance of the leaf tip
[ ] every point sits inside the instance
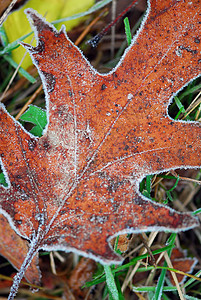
(38, 22)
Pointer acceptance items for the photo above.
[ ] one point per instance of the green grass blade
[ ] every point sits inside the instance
(198, 211)
(126, 266)
(153, 289)
(121, 297)
(128, 31)
(111, 282)
(14, 44)
(165, 297)
(148, 184)
(180, 107)
(190, 91)
(134, 29)
(191, 297)
(94, 8)
(191, 280)
(165, 289)
(161, 280)
(3, 36)
(174, 186)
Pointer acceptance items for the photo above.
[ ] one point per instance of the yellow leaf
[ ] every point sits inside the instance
(17, 24)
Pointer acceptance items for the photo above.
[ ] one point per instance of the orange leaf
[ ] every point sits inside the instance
(77, 186)
(80, 275)
(15, 249)
(181, 262)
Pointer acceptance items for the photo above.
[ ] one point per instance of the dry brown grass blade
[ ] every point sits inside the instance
(169, 263)
(193, 105)
(88, 28)
(37, 295)
(18, 85)
(182, 273)
(23, 282)
(5, 14)
(174, 173)
(132, 272)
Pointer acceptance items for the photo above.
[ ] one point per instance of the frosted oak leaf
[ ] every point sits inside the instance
(77, 186)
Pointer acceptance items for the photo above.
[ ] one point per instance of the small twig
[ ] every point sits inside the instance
(151, 275)
(143, 237)
(5, 14)
(96, 39)
(169, 263)
(193, 105)
(59, 257)
(114, 8)
(173, 172)
(12, 78)
(15, 73)
(130, 276)
(52, 264)
(19, 84)
(159, 180)
(88, 28)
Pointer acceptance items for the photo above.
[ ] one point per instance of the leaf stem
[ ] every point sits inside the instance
(30, 255)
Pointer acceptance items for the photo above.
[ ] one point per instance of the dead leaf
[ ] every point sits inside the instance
(15, 249)
(121, 242)
(181, 262)
(78, 185)
(80, 275)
